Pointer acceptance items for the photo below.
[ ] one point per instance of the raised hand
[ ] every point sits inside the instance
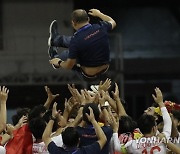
(94, 12)
(113, 122)
(3, 94)
(54, 110)
(159, 97)
(22, 120)
(91, 115)
(89, 98)
(116, 93)
(102, 98)
(105, 86)
(51, 96)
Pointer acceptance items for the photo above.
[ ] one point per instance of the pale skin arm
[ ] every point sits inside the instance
(173, 147)
(3, 113)
(174, 131)
(8, 135)
(97, 13)
(170, 145)
(105, 86)
(111, 101)
(50, 98)
(103, 108)
(158, 98)
(68, 64)
(99, 132)
(48, 130)
(120, 107)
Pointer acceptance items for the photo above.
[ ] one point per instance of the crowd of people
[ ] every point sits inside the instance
(93, 121)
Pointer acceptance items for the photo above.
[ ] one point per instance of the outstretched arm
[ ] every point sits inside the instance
(166, 118)
(99, 132)
(48, 130)
(120, 107)
(50, 98)
(3, 113)
(97, 13)
(68, 64)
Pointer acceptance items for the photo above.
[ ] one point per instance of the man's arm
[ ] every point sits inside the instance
(50, 98)
(166, 118)
(173, 147)
(68, 64)
(3, 113)
(97, 13)
(99, 132)
(48, 130)
(120, 107)
(170, 145)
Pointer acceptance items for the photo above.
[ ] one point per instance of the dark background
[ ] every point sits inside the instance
(145, 54)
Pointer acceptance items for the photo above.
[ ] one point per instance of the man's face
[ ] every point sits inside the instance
(150, 111)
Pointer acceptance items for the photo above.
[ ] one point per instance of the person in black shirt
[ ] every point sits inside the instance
(71, 137)
(88, 49)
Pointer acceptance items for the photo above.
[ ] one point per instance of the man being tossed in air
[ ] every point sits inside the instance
(88, 49)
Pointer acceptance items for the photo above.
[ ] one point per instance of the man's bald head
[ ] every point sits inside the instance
(80, 16)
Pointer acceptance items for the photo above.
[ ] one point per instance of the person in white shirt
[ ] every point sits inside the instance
(37, 127)
(149, 143)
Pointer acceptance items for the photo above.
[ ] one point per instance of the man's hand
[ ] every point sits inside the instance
(22, 121)
(104, 86)
(91, 115)
(55, 61)
(94, 12)
(159, 97)
(113, 122)
(116, 93)
(102, 97)
(3, 94)
(51, 97)
(97, 13)
(9, 129)
(54, 110)
(89, 97)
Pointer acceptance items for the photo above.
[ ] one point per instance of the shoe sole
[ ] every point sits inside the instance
(50, 27)
(54, 67)
(49, 40)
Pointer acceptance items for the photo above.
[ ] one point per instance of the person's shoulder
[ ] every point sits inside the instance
(53, 148)
(107, 128)
(89, 149)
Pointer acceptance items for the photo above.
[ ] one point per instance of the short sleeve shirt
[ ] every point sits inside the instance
(90, 45)
(88, 136)
(90, 149)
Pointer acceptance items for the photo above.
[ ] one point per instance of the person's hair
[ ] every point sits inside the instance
(37, 127)
(36, 112)
(19, 113)
(95, 111)
(159, 119)
(146, 123)
(126, 124)
(70, 137)
(79, 16)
